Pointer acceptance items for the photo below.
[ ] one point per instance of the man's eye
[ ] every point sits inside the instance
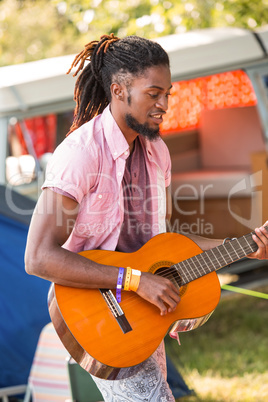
(154, 96)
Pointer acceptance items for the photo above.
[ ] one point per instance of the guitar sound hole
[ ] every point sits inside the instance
(172, 274)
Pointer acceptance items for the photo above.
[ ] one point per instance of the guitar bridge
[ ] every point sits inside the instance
(116, 310)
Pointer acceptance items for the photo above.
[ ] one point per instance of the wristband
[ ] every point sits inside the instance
(135, 280)
(128, 278)
(119, 284)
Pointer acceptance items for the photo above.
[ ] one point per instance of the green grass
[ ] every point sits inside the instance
(227, 358)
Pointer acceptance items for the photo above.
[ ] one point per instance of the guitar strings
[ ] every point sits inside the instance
(192, 272)
(212, 261)
(227, 253)
(167, 273)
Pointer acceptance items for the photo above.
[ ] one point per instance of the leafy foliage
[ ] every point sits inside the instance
(36, 29)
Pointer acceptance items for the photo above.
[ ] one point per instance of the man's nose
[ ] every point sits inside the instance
(162, 102)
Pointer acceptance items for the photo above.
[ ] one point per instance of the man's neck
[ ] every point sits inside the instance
(129, 134)
(132, 146)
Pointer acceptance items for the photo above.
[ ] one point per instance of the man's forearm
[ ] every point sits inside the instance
(205, 243)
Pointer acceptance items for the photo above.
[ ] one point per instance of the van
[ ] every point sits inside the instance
(216, 128)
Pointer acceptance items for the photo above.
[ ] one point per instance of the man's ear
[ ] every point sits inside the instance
(117, 91)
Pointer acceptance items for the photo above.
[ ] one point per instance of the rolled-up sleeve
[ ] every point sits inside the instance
(71, 169)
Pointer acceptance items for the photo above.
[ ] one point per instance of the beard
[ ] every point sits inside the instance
(151, 134)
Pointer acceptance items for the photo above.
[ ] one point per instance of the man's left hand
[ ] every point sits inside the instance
(261, 238)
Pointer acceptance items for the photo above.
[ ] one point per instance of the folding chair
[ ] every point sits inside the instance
(7, 392)
(48, 379)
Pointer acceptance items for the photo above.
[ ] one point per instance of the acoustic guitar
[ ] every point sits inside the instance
(104, 336)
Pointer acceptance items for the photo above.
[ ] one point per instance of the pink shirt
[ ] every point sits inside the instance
(89, 165)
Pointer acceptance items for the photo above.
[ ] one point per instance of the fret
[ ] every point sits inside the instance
(207, 260)
(211, 259)
(196, 267)
(233, 255)
(187, 270)
(214, 251)
(236, 253)
(189, 263)
(225, 261)
(250, 244)
(244, 249)
(215, 258)
(184, 273)
(246, 245)
(198, 258)
(254, 246)
(204, 259)
(226, 254)
(241, 252)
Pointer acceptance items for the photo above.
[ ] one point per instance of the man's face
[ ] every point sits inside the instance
(147, 101)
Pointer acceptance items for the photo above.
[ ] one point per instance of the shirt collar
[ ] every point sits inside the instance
(115, 138)
(147, 144)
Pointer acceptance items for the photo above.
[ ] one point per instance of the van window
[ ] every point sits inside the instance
(212, 129)
(189, 98)
(31, 142)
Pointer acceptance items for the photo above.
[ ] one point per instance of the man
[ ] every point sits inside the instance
(107, 188)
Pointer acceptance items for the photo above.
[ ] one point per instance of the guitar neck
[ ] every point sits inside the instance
(215, 258)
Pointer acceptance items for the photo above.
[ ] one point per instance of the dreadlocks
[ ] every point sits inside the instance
(110, 59)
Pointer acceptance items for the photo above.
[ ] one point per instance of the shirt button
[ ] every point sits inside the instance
(100, 196)
(126, 153)
(115, 153)
(119, 174)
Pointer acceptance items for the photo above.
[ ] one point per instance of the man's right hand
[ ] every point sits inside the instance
(159, 291)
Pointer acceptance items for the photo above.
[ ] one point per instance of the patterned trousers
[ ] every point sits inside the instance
(148, 384)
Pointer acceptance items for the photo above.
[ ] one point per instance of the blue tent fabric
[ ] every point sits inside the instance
(23, 305)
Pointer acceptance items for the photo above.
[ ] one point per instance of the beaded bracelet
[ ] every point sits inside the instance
(119, 284)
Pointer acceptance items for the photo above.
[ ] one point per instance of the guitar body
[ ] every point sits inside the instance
(88, 328)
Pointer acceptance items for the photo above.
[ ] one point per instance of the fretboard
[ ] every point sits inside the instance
(215, 258)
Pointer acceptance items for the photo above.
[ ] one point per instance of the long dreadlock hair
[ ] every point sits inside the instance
(110, 59)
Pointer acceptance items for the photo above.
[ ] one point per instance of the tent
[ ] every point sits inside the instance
(20, 324)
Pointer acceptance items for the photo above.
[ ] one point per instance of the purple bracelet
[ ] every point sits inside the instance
(119, 284)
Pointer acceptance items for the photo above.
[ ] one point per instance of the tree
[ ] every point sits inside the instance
(36, 29)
